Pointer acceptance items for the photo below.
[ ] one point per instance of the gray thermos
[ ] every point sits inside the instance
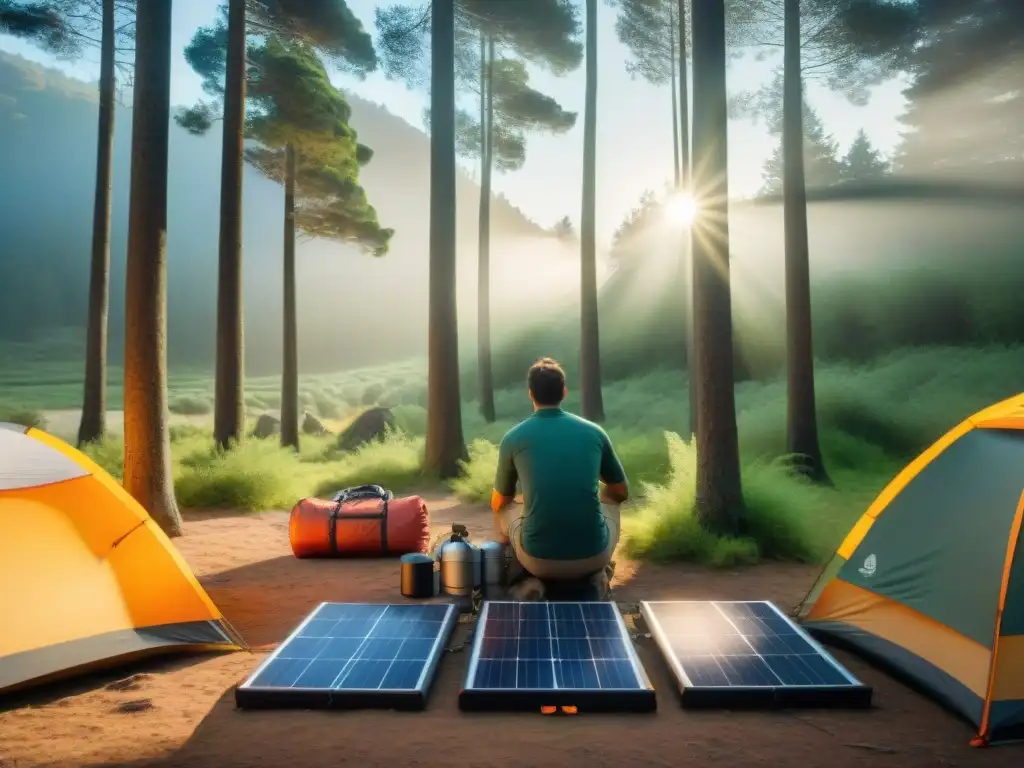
(494, 561)
(460, 564)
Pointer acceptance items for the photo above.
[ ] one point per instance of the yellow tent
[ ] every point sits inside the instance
(87, 579)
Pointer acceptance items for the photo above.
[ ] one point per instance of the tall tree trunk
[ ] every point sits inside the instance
(445, 443)
(484, 372)
(591, 402)
(229, 405)
(675, 106)
(719, 502)
(801, 426)
(290, 367)
(684, 131)
(147, 445)
(684, 99)
(94, 402)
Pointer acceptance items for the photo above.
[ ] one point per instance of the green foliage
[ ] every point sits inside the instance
(27, 417)
(291, 102)
(329, 26)
(862, 161)
(393, 462)
(67, 27)
(783, 513)
(967, 63)
(35, 21)
(822, 166)
(850, 45)
(649, 30)
(518, 109)
(477, 478)
(254, 475)
(109, 454)
(190, 405)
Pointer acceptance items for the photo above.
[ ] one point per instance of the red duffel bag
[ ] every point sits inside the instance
(367, 520)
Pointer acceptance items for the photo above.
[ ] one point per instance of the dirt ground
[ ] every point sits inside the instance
(180, 712)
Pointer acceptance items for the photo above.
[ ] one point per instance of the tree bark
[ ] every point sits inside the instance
(801, 422)
(484, 372)
(229, 405)
(290, 367)
(684, 131)
(675, 106)
(94, 401)
(445, 443)
(147, 448)
(719, 501)
(591, 402)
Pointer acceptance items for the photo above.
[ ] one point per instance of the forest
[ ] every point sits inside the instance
(764, 364)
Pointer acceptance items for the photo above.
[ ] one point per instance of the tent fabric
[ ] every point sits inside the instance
(930, 580)
(87, 578)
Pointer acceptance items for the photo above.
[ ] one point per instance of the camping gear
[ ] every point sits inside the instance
(493, 560)
(930, 581)
(89, 580)
(459, 563)
(366, 520)
(419, 575)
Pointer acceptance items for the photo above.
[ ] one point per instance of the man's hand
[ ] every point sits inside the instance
(500, 536)
(613, 493)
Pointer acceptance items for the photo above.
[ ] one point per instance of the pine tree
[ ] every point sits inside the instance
(822, 167)
(862, 161)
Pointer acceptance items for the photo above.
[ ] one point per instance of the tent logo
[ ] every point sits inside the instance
(869, 567)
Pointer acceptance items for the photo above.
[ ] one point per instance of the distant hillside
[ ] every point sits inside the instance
(354, 310)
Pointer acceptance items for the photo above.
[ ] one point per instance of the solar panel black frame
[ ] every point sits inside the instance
(479, 699)
(854, 694)
(250, 696)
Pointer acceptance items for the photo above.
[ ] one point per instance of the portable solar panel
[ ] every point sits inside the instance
(528, 656)
(354, 655)
(747, 654)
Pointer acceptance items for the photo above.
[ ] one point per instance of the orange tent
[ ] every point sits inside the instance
(930, 581)
(87, 579)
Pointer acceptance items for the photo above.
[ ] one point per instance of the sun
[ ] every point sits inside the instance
(681, 209)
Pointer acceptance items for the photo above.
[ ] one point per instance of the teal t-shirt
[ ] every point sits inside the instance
(558, 458)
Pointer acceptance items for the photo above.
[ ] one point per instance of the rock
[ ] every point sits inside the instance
(371, 424)
(311, 425)
(133, 706)
(266, 426)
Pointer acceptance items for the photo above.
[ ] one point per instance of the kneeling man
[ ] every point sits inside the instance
(572, 484)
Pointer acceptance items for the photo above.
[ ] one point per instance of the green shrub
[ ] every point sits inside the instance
(254, 475)
(477, 478)
(372, 394)
(326, 406)
(26, 417)
(411, 419)
(109, 454)
(393, 462)
(254, 403)
(780, 514)
(190, 405)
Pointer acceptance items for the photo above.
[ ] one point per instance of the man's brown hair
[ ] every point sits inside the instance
(546, 381)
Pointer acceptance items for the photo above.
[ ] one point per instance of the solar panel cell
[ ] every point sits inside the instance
(354, 655)
(528, 655)
(734, 653)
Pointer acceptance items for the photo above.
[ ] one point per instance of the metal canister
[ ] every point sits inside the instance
(459, 563)
(494, 559)
(418, 576)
